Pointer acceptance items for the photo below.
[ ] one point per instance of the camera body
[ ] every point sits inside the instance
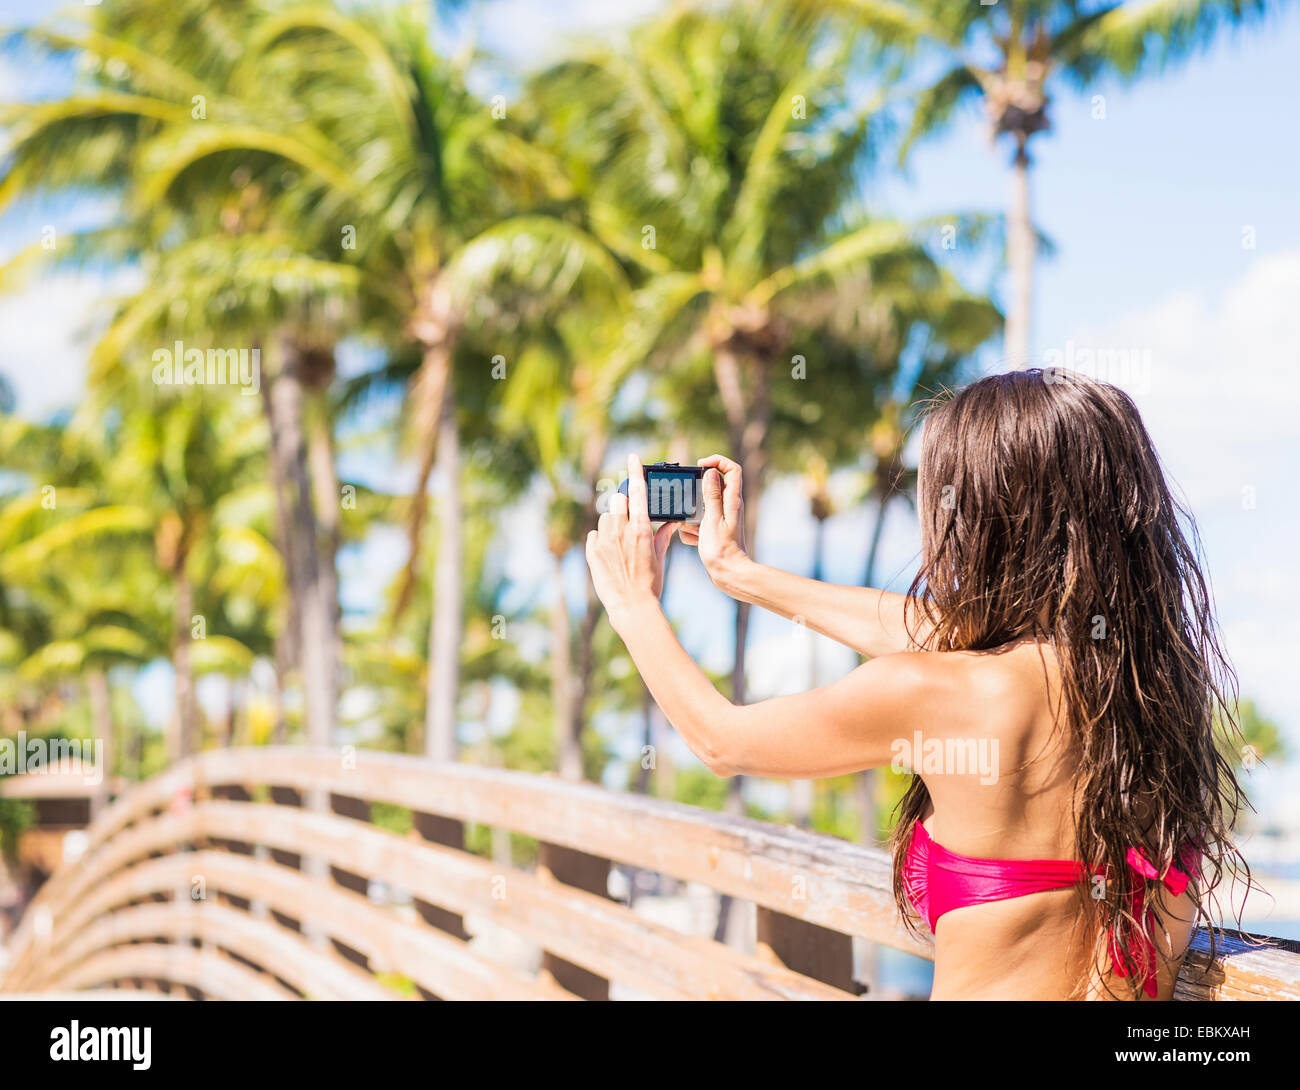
(672, 492)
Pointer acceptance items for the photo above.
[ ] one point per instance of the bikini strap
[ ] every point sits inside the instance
(1141, 950)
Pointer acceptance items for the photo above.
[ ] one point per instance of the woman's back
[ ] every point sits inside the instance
(1053, 676)
(1008, 709)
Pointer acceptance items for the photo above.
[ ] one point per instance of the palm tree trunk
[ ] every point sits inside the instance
(747, 424)
(877, 532)
(593, 454)
(283, 665)
(446, 624)
(287, 642)
(101, 713)
(436, 327)
(233, 689)
(568, 733)
(317, 612)
(186, 740)
(325, 477)
(866, 783)
(650, 709)
(1020, 258)
(584, 662)
(801, 791)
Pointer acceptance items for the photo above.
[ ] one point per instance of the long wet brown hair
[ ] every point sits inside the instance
(1045, 514)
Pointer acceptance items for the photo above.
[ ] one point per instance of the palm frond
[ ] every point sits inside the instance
(936, 104)
(1133, 38)
(870, 242)
(89, 525)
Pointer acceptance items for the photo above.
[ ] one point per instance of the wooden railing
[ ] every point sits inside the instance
(244, 874)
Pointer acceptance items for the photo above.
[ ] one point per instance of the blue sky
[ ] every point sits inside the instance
(1147, 208)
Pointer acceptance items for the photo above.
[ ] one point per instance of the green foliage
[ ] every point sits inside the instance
(401, 984)
(391, 817)
(746, 135)
(1258, 740)
(15, 816)
(697, 786)
(1008, 53)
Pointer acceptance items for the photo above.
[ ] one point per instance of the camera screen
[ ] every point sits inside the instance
(673, 495)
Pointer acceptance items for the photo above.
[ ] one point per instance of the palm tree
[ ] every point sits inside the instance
(84, 617)
(424, 180)
(139, 557)
(1008, 55)
(718, 153)
(558, 398)
(76, 588)
(158, 65)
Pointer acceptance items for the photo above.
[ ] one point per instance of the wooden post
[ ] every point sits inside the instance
(446, 831)
(585, 872)
(235, 793)
(358, 810)
(806, 948)
(286, 796)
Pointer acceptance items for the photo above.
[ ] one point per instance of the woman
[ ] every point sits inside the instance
(1059, 625)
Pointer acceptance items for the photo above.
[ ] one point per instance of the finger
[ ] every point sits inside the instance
(712, 495)
(638, 503)
(603, 523)
(592, 538)
(731, 478)
(664, 537)
(719, 462)
(731, 497)
(688, 535)
(617, 513)
(731, 490)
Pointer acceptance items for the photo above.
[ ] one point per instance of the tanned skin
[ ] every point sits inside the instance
(1024, 948)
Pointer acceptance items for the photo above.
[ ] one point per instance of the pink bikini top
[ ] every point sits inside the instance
(937, 881)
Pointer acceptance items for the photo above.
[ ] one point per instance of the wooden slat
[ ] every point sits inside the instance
(440, 964)
(64, 782)
(124, 990)
(826, 881)
(163, 833)
(583, 928)
(175, 783)
(272, 948)
(1246, 967)
(806, 875)
(215, 976)
(842, 887)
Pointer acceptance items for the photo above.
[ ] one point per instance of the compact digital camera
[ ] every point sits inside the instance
(673, 492)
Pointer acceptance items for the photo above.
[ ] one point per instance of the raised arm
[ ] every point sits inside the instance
(869, 621)
(849, 725)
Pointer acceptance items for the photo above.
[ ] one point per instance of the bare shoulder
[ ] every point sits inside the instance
(951, 691)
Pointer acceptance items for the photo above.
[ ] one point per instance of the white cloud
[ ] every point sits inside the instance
(536, 34)
(1223, 397)
(1223, 408)
(49, 330)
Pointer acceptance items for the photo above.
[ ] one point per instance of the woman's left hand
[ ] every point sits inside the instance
(625, 553)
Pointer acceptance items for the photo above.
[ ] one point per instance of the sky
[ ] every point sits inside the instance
(1174, 210)
(1173, 206)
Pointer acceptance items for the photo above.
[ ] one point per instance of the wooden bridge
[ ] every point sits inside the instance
(261, 874)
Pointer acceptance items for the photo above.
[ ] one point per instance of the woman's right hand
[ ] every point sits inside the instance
(720, 536)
